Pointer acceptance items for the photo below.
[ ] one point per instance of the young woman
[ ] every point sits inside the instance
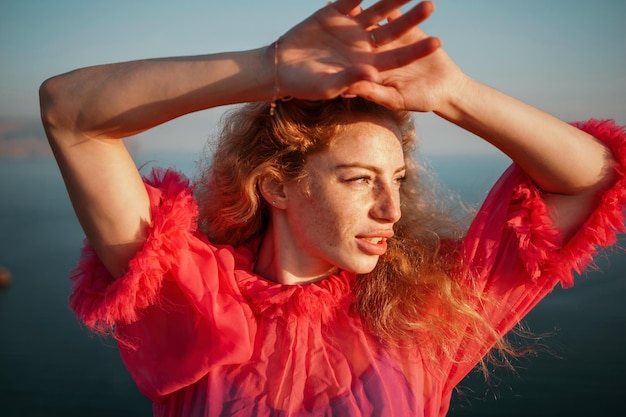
(308, 271)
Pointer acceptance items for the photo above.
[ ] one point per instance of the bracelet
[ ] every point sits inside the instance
(276, 95)
(276, 87)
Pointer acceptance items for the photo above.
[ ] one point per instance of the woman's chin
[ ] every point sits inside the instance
(362, 268)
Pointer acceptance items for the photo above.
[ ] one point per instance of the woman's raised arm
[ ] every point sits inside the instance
(567, 163)
(86, 112)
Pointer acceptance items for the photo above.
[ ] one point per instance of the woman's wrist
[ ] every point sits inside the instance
(241, 77)
(456, 105)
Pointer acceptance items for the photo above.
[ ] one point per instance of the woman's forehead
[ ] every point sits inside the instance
(364, 141)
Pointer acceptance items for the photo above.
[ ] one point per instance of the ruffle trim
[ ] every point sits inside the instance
(533, 226)
(313, 302)
(101, 301)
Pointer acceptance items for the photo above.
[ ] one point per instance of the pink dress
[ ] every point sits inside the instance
(202, 335)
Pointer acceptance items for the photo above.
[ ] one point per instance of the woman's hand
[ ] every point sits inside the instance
(427, 83)
(342, 49)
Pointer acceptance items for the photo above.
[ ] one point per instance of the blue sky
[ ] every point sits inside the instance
(566, 57)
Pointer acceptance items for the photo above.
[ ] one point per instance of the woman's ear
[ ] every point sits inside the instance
(273, 191)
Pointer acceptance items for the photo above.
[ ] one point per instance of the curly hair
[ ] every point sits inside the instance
(415, 287)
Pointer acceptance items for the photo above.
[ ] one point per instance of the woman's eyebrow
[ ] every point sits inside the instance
(368, 167)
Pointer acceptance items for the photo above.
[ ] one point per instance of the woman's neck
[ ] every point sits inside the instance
(278, 261)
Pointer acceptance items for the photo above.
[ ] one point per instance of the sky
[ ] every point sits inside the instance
(567, 57)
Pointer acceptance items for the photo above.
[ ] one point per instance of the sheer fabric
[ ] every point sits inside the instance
(202, 335)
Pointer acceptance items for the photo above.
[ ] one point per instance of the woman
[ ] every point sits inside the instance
(312, 274)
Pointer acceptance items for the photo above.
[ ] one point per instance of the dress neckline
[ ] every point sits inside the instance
(316, 301)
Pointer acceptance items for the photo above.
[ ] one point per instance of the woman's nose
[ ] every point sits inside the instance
(386, 206)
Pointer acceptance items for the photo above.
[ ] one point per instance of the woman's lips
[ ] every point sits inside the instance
(374, 244)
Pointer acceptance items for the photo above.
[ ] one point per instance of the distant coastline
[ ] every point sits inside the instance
(22, 138)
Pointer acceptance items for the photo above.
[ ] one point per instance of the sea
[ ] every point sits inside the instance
(50, 365)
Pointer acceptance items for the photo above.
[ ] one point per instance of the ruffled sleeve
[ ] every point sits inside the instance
(514, 252)
(177, 313)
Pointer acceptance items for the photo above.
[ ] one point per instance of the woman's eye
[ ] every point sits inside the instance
(400, 180)
(359, 180)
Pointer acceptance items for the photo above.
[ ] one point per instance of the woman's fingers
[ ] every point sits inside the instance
(346, 7)
(344, 44)
(383, 10)
(357, 10)
(394, 15)
(336, 84)
(401, 23)
(399, 57)
(378, 12)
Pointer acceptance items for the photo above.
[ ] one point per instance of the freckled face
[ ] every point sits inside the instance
(342, 214)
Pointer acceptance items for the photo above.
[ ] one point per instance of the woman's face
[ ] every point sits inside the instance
(343, 212)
